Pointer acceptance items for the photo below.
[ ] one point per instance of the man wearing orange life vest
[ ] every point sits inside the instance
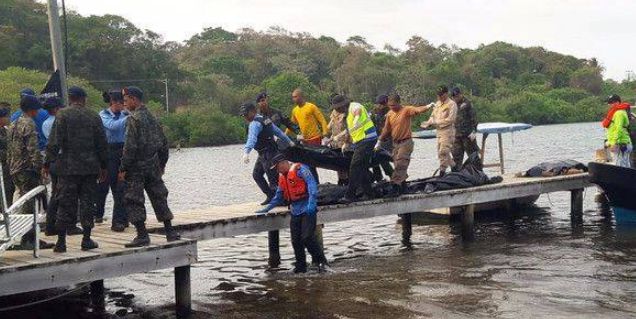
(297, 186)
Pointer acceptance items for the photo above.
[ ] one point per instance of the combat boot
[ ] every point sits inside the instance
(142, 239)
(60, 245)
(171, 233)
(87, 242)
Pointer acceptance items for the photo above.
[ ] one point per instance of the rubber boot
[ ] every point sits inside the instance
(60, 245)
(142, 239)
(171, 233)
(87, 242)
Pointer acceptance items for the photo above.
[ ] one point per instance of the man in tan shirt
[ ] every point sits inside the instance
(336, 126)
(443, 119)
(398, 127)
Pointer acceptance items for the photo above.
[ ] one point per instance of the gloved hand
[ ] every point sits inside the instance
(343, 148)
(261, 211)
(299, 137)
(291, 143)
(325, 141)
(377, 146)
(472, 136)
(246, 158)
(431, 105)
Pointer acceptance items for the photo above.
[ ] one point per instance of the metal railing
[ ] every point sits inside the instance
(16, 206)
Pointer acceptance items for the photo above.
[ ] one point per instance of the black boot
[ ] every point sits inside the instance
(60, 245)
(171, 233)
(87, 242)
(142, 239)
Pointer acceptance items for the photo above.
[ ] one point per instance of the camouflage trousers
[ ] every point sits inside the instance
(461, 145)
(134, 200)
(76, 192)
(9, 187)
(24, 182)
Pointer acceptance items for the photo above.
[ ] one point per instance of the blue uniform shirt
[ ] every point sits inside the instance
(47, 126)
(114, 125)
(39, 120)
(303, 206)
(255, 128)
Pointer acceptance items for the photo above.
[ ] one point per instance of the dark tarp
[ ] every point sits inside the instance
(468, 176)
(328, 158)
(554, 168)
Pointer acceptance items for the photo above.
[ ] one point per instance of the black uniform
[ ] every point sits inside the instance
(266, 148)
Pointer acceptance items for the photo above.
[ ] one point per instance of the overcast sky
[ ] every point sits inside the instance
(583, 28)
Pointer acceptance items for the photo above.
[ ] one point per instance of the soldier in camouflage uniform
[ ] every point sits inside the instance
(9, 188)
(24, 158)
(142, 166)
(465, 129)
(77, 145)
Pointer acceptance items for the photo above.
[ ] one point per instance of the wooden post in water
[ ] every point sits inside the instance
(273, 238)
(576, 202)
(182, 291)
(97, 294)
(468, 222)
(407, 229)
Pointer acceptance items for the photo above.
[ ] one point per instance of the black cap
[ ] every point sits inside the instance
(246, 108)
(279, 157)
(133, 91)
(456, 91)
(29, 102)
(382, 99)
(5, 111)
(613, 99)
(261, 96)
(76, 91)
(113, 95)
(339, 101)
(442, 89)
(52, 102)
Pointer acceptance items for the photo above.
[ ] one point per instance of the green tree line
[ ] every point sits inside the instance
(216, 70)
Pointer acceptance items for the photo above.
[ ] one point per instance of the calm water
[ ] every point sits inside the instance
(534, 263)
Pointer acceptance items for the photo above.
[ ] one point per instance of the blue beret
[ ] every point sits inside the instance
(30, 102)
(133, 91)
(27, 91)
(52, 102)
(76, 91)
(261, 96)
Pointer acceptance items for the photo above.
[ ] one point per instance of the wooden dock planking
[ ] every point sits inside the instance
(233, 220)
(21, 272)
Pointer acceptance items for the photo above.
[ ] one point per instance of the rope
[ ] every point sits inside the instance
(66, 293)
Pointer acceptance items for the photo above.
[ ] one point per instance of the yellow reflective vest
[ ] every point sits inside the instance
(365, 128)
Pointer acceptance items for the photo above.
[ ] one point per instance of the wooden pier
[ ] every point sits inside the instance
(20, 272)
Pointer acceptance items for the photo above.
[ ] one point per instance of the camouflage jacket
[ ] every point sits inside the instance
(77, 143)
(146, 145)
(3, 147)
(466, 121)
(23, 153)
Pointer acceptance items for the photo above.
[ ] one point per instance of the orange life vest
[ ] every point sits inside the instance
(293, 186)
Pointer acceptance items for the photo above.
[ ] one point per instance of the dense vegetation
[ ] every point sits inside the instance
(214, 71)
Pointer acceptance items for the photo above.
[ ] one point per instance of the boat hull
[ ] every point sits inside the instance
(619, 186)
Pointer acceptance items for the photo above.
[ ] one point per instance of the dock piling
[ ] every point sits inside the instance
(182, 291)
(97, 294)
(576, 201)
(468, 222)
(407, 229)
(273, 238)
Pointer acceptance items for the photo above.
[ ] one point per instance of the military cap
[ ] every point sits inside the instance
(133, 91)
(76, 91)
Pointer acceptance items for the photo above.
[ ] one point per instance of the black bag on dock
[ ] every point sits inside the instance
(470, 175)
(554, 168)
(328, 158)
